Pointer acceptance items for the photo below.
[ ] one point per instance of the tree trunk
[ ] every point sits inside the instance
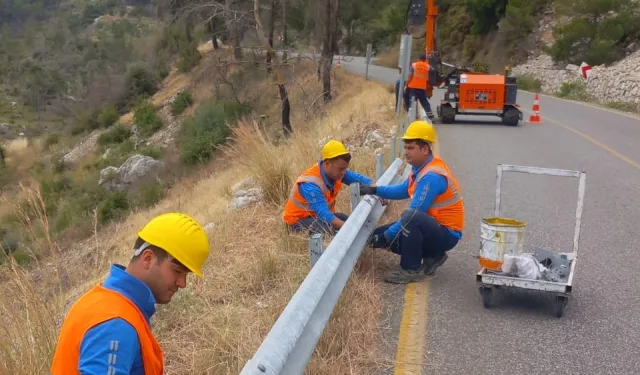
(211, 28)
(286, 111)
(284, 96)
(284, 29)
(270, 31)
(329, 46)
(234, 32)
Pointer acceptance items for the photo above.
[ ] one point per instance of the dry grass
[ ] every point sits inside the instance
(389, 57)
(216, 324)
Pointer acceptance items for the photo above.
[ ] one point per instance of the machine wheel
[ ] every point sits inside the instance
(561, 303)
(511, 116)
(485, 292)
(447, 114)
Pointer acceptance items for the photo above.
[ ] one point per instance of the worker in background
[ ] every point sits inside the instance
(311, 205)
(107, 330)
(434, 220)
(418, 86)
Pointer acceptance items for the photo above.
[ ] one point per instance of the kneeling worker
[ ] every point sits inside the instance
(311, 205)
(107, 330)
(433, 223)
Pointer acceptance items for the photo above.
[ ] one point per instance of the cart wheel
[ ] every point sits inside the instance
(561, 303)
(486, 296)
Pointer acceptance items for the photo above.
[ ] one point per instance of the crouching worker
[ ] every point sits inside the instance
(311, 204)
(433, 223)
(107, 330)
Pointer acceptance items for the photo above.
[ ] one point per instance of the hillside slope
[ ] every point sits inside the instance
(213, 326)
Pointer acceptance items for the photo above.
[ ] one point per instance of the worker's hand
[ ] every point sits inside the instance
(378, 241)
(383, 201)
(367, 189)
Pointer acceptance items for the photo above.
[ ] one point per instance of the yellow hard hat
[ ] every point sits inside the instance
(420, 129)
(333, 149)
(180, 236)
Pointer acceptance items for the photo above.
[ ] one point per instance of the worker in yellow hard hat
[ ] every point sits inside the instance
(107, 330)
(433, 222)
(311, 204)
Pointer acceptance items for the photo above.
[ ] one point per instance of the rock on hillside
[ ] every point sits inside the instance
(619, 82)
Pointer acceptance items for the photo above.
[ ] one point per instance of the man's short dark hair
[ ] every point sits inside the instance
(421, 143)
(423, 57)
(345, 157)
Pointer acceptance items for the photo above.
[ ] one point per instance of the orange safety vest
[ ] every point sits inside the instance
(448, 207)
(297, 207)
(420, 78)
(97, 306)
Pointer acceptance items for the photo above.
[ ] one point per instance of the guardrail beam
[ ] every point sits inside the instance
(294, 336)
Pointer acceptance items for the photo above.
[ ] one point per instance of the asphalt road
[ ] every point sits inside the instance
(600, 330)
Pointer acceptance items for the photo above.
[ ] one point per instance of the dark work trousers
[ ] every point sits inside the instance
(421, 97)
(398, 93)
(421, 236)
(315, 225)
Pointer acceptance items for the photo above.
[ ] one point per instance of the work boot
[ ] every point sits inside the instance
(402, 276)
(431, 264)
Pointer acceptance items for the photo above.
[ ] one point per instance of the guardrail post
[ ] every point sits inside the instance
(404, 60)
(379, 165)
(316, 248)
(392, 151)
(369, 51)
(355, 195)
(413, 109)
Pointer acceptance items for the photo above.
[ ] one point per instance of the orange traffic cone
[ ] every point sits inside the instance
(535, 117)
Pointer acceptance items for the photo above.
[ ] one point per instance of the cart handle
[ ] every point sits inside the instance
(550, 172)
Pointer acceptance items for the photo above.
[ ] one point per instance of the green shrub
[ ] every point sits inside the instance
(575, 90)
(154, 152)
(201, 133)
(140, 83)
(115, 206)
(189, 58)
(146, 118)
(118, 134)
(529, 83)
(149, 195)
(108, 116)
(52, 139)
(182, 101)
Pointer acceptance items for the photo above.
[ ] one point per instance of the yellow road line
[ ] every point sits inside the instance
(412, 334)
(589, 138)
(413, 330)
(625, 114)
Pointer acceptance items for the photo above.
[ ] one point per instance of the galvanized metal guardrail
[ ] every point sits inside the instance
(291, 341)
(289, 345)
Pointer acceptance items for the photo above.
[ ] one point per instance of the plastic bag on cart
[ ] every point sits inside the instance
(524, 266)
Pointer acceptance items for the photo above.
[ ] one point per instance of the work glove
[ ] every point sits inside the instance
(378, 241)
(367, 189)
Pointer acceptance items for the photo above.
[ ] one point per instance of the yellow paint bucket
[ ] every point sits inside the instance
(500, 236)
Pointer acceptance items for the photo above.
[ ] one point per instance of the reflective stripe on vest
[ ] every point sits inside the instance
(297, 207)
(420, 77)
(448, 207)
(99, 305)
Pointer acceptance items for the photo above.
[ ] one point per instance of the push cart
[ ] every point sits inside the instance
(489, 280)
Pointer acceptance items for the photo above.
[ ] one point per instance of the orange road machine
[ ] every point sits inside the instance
(467, 92)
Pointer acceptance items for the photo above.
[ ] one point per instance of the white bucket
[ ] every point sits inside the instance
(500, 236)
